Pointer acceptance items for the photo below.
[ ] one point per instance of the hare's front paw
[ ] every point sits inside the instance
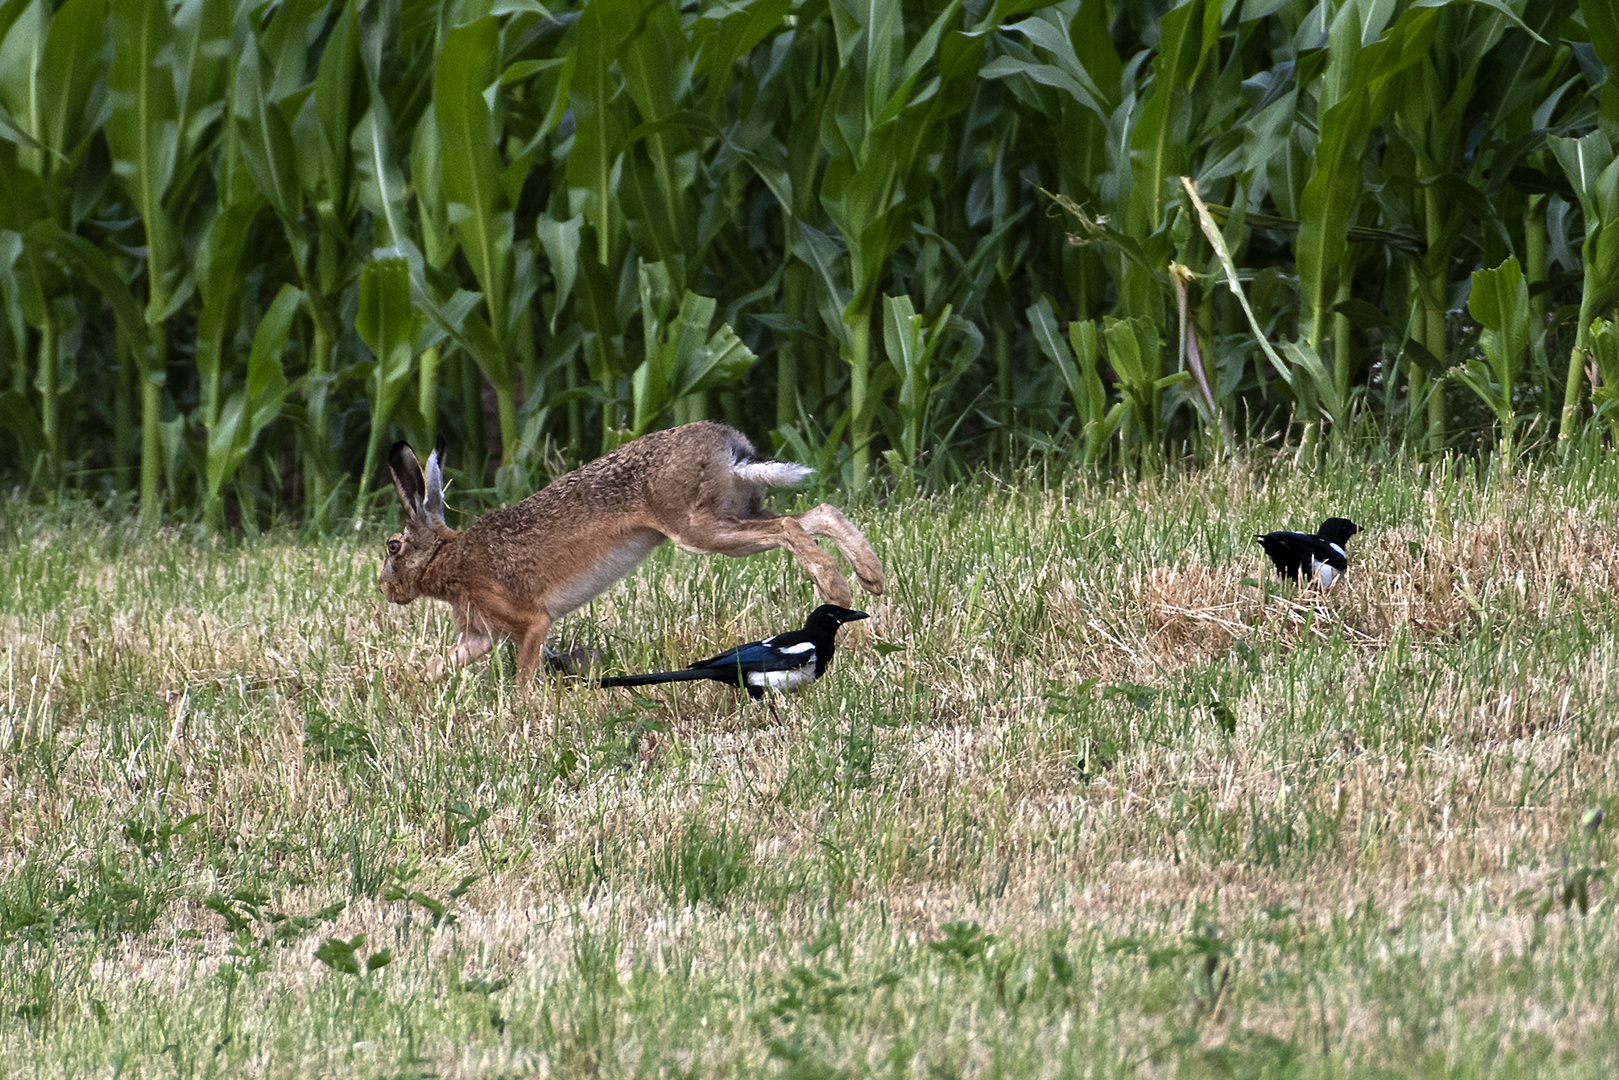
(434, 669)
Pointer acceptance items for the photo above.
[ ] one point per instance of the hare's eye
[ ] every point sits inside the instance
(394, 546)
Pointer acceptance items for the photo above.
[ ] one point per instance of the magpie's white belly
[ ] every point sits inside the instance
(782, 680)
(1325, 574)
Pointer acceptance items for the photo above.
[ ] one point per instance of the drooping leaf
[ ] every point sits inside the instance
(264, 137)
(1500, 303)
(257, 404)
(479, 216)
(389, 325)
(143, 133)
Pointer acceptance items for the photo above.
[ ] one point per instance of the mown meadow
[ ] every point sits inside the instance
(1090, 794)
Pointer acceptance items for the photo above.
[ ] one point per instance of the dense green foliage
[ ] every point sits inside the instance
(242, 246)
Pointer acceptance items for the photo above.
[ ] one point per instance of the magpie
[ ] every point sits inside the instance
(1320, 555)
(784, 662)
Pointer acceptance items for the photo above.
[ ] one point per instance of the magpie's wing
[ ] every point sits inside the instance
(772, 654)
(1282, 554)
(1298, 548)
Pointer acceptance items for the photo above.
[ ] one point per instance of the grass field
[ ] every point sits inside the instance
(1084, 797)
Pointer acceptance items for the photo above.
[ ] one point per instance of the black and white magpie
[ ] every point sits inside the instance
(784, 662)
(1321, 556)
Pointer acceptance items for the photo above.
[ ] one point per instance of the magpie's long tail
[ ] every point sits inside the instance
(652, 678)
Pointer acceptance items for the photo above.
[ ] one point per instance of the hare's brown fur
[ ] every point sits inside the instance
(516, 570)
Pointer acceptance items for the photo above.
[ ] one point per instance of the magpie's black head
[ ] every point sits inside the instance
(831, 616)
(1337, 530)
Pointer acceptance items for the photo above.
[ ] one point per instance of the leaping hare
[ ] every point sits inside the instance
(516, 570)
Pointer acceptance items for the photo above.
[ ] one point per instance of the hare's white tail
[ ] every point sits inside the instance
(756, 470)
(770, 473)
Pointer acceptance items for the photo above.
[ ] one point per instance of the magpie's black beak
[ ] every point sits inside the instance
(854, 616)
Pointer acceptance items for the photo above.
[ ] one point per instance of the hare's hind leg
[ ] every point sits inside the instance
(749, 536)
(827, 520)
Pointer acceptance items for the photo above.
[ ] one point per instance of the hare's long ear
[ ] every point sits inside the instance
(434, 502)
(407, 476)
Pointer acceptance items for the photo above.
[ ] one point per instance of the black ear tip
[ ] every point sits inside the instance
(402, 459)
(438, 446)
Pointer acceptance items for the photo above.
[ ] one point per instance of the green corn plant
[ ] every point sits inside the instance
(434, 288)
(1065, 77)
(1125, 130)
(1135, 352)
(777, 135)
(220, 267)
(649, 91)
(376, 151)
(294, 139)
(659, 159)
(914, 346)
(14, 331)
(562, 241)
(790, 163)
(1161, 140)
(1305, 374)
(52, 87)
(1500, 303)
(258, 403)
(547, 345)
(166, 84)
(880, 123)
(1418, 82)
(326, 182)
(599, 136)
(683, 356)
(1604, 345)
(390, 325)
(67, 258)
(972, 252)
(16, 414)
(219, 260)
(1592, 166)
(480, 190)
(1078, 361)
(675, 74)
(42, 294)
(263, 139)
(1367, 55)
(980, 282)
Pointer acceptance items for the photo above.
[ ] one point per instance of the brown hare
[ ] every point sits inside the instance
(516, 570)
